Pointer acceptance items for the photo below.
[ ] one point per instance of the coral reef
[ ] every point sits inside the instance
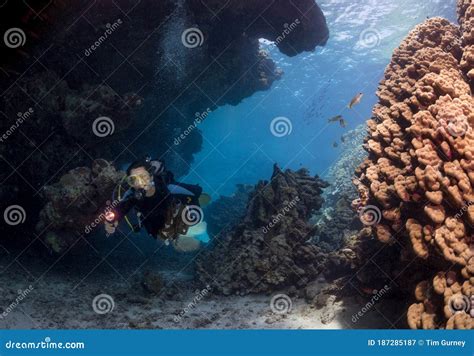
(334, 224)
(336, 219)
(416, 187)
(341, 171)
(269, 249)
(223, 214)
(448, 289)
(348, 260)
(64, 129)
(77, 204)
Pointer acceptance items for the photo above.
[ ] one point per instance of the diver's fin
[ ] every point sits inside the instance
(204, 199)
(186, 243)
(197, 229)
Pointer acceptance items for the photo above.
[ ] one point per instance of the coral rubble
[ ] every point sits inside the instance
(269, 248)
(419, 176)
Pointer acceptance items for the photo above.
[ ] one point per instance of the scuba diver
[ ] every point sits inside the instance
(168, 210)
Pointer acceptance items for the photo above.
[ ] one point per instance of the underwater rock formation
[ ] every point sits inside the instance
(336, 219)
(334, 224)
(416, 187)
(276, 16)
(223, 214)
(269, 249)
(150, 68)
(68, 129)
(76, 204)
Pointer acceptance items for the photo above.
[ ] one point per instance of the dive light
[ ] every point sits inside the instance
(110, 216)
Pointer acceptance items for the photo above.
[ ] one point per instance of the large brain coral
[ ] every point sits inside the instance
(420, 169)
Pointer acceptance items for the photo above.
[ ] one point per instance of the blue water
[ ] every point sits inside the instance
(239, 146)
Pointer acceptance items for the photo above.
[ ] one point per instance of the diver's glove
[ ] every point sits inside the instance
(110, 222)
(110, 227)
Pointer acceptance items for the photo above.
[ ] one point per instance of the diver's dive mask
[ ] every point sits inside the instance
(135, 179)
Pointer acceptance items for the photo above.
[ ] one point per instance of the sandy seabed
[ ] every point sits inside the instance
(59, 301)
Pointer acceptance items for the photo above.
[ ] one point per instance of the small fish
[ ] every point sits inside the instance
(335, 118)
(343, 139)
(342, 122)
(335, 144)
(355, 100)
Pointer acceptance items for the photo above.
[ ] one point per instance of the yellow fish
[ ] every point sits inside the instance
(204, 199)
(355, 100)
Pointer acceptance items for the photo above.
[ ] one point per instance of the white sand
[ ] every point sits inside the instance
(58, 302)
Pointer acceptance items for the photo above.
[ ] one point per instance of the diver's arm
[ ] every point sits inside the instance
(123, 207)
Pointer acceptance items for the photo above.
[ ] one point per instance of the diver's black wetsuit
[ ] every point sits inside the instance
(157, 210)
